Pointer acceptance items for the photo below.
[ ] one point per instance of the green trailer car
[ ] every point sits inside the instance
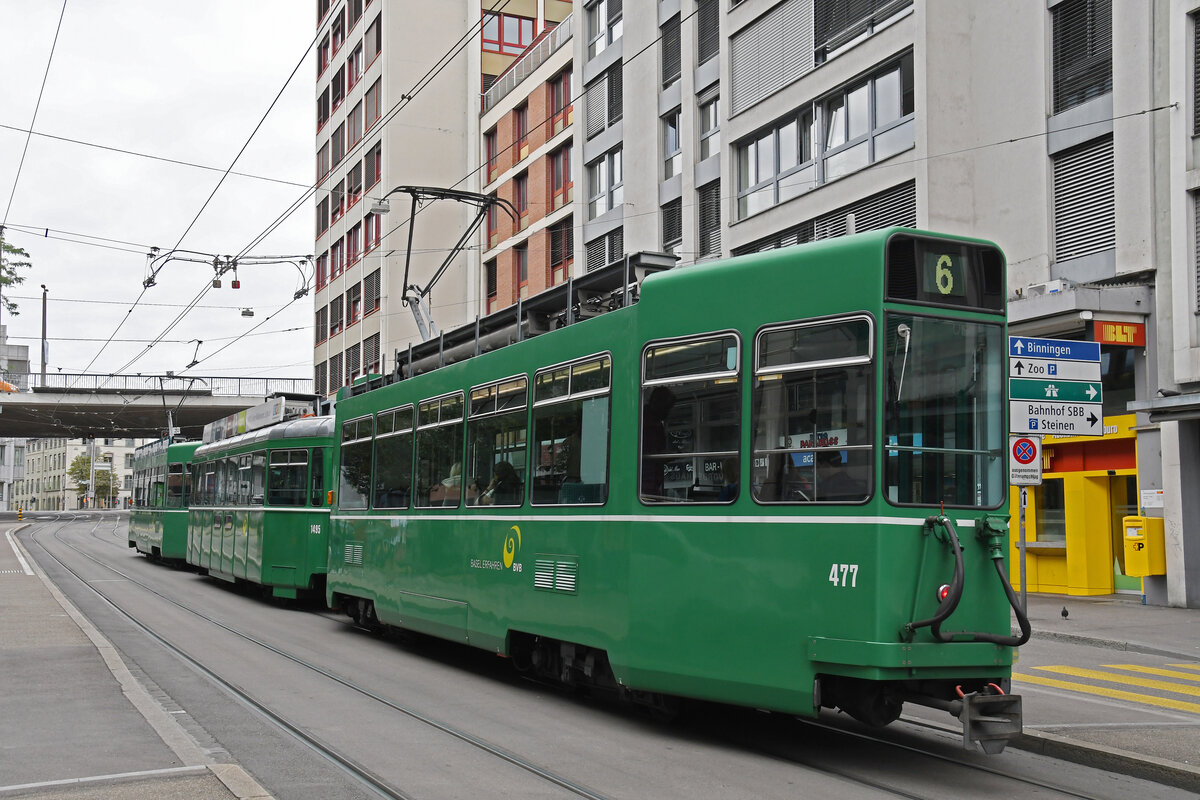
(162, 490)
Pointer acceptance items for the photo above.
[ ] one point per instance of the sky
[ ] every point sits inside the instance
(185, 81)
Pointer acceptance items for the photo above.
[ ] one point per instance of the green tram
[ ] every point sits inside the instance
(162, 490)
(260, 509)
(777, 480)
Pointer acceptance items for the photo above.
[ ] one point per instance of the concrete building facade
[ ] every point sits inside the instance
(46, 485)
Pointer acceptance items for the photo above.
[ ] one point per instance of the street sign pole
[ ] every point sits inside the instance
(1021, 551)
(1024, 470)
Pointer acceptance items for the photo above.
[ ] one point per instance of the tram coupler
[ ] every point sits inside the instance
(988, 719)
(992, 530)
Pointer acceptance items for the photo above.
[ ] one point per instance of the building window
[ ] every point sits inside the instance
(337, 145)
(521, 198)
(337, 255)
(371, 363)
(339, 29)
(492, 222)
(671, 58)
(521, 130)
(353, 363)
(605, 101)
(321, 331)
(354, 303)
(490, 279)
(354, 185)
(373, 41)
(373, 163)
(606, 188)
(708, 30)
(560, 177)
(337, 200)
(354, 128)
(560, 102)
(337, 86)
(371, 292)
(355, 7)
(562, 250)
(322, 216)
(1082, 44)
(323, 108)
(1195, 19)
(354, 67)
(603, 25)
(322, 161)
(506, 34)
(336, 380)
(853, 127)
(606, 250)
(521, 269)
(372, 231)
(491, 153)
(836, 22)
(323, 55)
(672, 149)
(335, 316)
(672, 226)
(710, 127)
(1085, 214)
(321, 379)
(709, 219)
(353, 244)
(322, 270)
(371, 108)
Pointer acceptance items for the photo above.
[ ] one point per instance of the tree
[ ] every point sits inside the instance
(80, 472)
(12, 258)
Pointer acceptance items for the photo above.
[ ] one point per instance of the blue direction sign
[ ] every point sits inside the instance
(1062, 379)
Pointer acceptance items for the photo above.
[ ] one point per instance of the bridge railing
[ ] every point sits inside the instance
(214, 386)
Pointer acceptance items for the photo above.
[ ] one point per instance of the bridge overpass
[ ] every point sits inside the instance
(129, 406)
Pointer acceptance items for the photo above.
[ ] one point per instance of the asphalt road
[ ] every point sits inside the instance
(436, 720)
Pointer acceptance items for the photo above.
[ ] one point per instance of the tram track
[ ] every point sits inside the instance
(360, 772)
(378, 785)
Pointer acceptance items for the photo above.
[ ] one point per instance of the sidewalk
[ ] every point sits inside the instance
(1119, 623)
(75, 722)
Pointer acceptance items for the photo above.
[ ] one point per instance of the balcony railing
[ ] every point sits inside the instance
(545, 46)
(174, 384)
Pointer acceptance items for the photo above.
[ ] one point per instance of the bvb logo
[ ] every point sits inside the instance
(511, 546)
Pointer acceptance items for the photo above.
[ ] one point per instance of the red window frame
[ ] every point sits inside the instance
(371, 299)
(354, 304)
(354, 127)
(353, 245)
(337, 88)
(499, 40)
(558, 271)
(354, 67)
(322, 269)
(337, 255)
(493, 224)
(521, 197)
(371, 111)
(354, 186)
(324, 56)
(491, 147)
(372, 232)
(373, 165)
(520, 267)
(373, 39)
(323, 215)
(321, 324)
(521, 127)
(336, 200)
(339, 30)
(322, 161)
(560, 100)
(561, 181)
(323, 112)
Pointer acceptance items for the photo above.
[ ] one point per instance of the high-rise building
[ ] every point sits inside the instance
(14, 375)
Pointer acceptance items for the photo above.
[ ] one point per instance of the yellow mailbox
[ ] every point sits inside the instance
(1144, 553)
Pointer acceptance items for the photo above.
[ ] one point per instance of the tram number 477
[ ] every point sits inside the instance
(844, 575)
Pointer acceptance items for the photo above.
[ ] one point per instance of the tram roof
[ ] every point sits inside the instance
(304, 428)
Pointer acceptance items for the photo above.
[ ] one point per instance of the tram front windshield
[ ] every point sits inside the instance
(944, 418)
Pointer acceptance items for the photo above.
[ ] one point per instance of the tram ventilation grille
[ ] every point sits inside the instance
(553, 575)
(354, 554)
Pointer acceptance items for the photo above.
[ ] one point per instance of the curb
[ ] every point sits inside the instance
(1109, 644)
(1112, 759)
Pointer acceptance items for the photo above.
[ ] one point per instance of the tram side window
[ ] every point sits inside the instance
(187, 485)
(286, 478)
(812, 412)
(496, 443)
(158, 491)
(393, 458)
(210, 483)
(571, 407)
(316, 478)
(354, 486)
(244, 479)
(258, 469)
(229, 472)
(175, 485)
(439, 446)
(691, 415)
